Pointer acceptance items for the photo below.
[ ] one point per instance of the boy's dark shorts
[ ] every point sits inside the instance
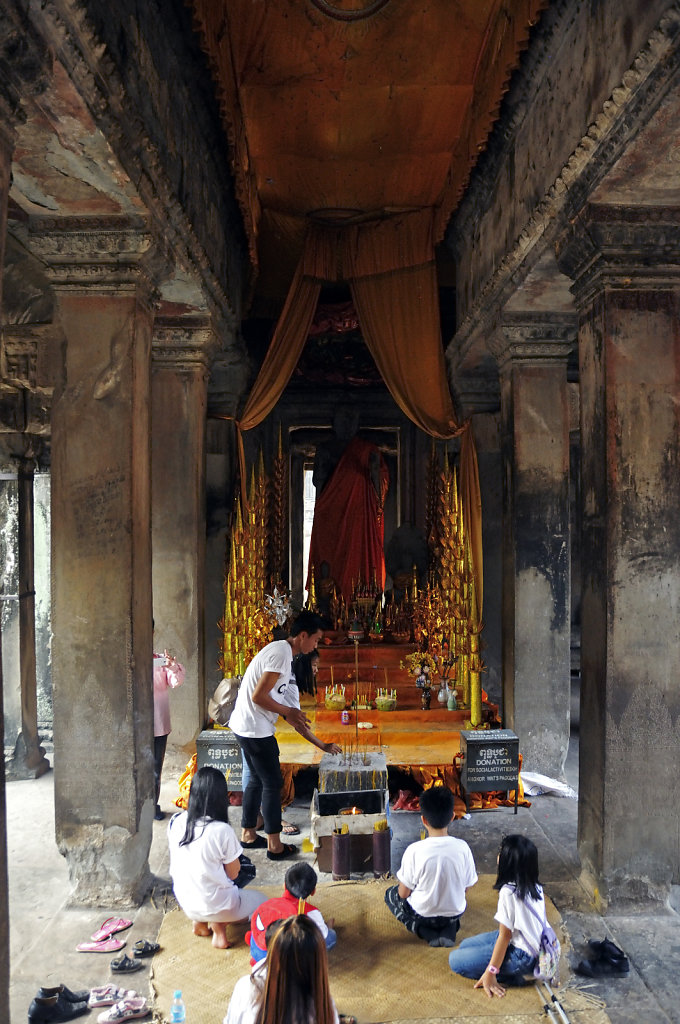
(437, 931)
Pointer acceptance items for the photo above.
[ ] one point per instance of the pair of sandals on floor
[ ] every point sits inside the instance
(103, 941)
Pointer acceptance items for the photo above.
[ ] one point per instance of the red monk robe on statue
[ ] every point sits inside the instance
(348, 529)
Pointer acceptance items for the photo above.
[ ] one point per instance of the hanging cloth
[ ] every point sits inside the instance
(391, 270)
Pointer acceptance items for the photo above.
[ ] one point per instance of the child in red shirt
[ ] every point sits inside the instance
(300, 882)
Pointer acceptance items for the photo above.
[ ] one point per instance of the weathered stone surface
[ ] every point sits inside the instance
(181, 355)
(158, 114)
(536, 576)
(581, 97)
(101, 529)
(630, 703)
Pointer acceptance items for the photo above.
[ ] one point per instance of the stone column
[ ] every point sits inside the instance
(626, 267)
(21, 71)
(28, 761)
(6, 145)
(101, 555)
(181, 357)
(532, 354)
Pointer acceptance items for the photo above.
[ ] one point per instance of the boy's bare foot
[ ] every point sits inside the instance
(203, 929)
(219, 939)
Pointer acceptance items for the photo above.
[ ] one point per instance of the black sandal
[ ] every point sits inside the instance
(143, 947)
(258, 843)
(124, 965)
(288, 850)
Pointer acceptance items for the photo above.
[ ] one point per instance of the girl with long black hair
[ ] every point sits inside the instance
(204, 860)
(505, 956)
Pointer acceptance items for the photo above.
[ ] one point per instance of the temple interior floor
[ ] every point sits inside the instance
(44, 929)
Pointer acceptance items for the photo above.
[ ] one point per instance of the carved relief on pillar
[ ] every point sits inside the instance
(533, 336)
(476, 393)
(112, 255)
(27, 377)
(184, 344)
(621, 247)
(29, 356)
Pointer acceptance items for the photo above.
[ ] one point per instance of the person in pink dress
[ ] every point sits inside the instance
(167, 674)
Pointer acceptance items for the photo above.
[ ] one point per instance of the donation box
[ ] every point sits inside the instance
(490, 761)
(218, 748)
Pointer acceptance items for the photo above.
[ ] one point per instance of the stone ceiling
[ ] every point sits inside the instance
(345, 110)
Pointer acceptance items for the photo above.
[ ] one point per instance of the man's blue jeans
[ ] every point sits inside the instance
(472, 956)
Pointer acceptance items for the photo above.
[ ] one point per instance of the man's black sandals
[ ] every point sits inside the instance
(287, 850)
(258, 843)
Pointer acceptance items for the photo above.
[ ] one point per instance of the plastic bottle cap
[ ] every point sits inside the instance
(178, 994)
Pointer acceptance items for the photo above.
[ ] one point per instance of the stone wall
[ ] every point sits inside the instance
(579, 54)
(150, 91)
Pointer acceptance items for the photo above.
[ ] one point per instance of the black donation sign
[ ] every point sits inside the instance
(490, 760)
(218, 748)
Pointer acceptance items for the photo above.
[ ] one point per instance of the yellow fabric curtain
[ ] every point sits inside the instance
(391, 270)
(282, 357)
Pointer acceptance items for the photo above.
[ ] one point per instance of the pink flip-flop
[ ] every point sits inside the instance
(107, 946)
(109, 927)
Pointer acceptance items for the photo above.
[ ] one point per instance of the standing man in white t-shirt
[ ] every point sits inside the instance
(434, 875)
(260, 701)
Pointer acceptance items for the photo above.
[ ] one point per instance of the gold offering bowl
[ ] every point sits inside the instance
(336, 702)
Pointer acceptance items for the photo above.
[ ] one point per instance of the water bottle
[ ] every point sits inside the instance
(178, 1012)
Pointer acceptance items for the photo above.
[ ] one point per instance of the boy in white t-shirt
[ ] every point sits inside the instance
(434, 875)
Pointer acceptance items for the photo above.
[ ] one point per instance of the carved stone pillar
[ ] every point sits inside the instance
(532, 355)
(6, 143)
(625, 264)
(182, 350)
(21, 72)
(101, 555)
(28, 760)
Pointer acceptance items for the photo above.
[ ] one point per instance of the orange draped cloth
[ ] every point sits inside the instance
(391, 271)
(348, 530)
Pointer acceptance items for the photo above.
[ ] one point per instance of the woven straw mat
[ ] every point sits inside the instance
(379, 972)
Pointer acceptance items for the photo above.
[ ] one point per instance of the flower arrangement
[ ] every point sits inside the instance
(416, 662)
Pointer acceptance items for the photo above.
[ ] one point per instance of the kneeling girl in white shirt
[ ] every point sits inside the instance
(204, 860)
